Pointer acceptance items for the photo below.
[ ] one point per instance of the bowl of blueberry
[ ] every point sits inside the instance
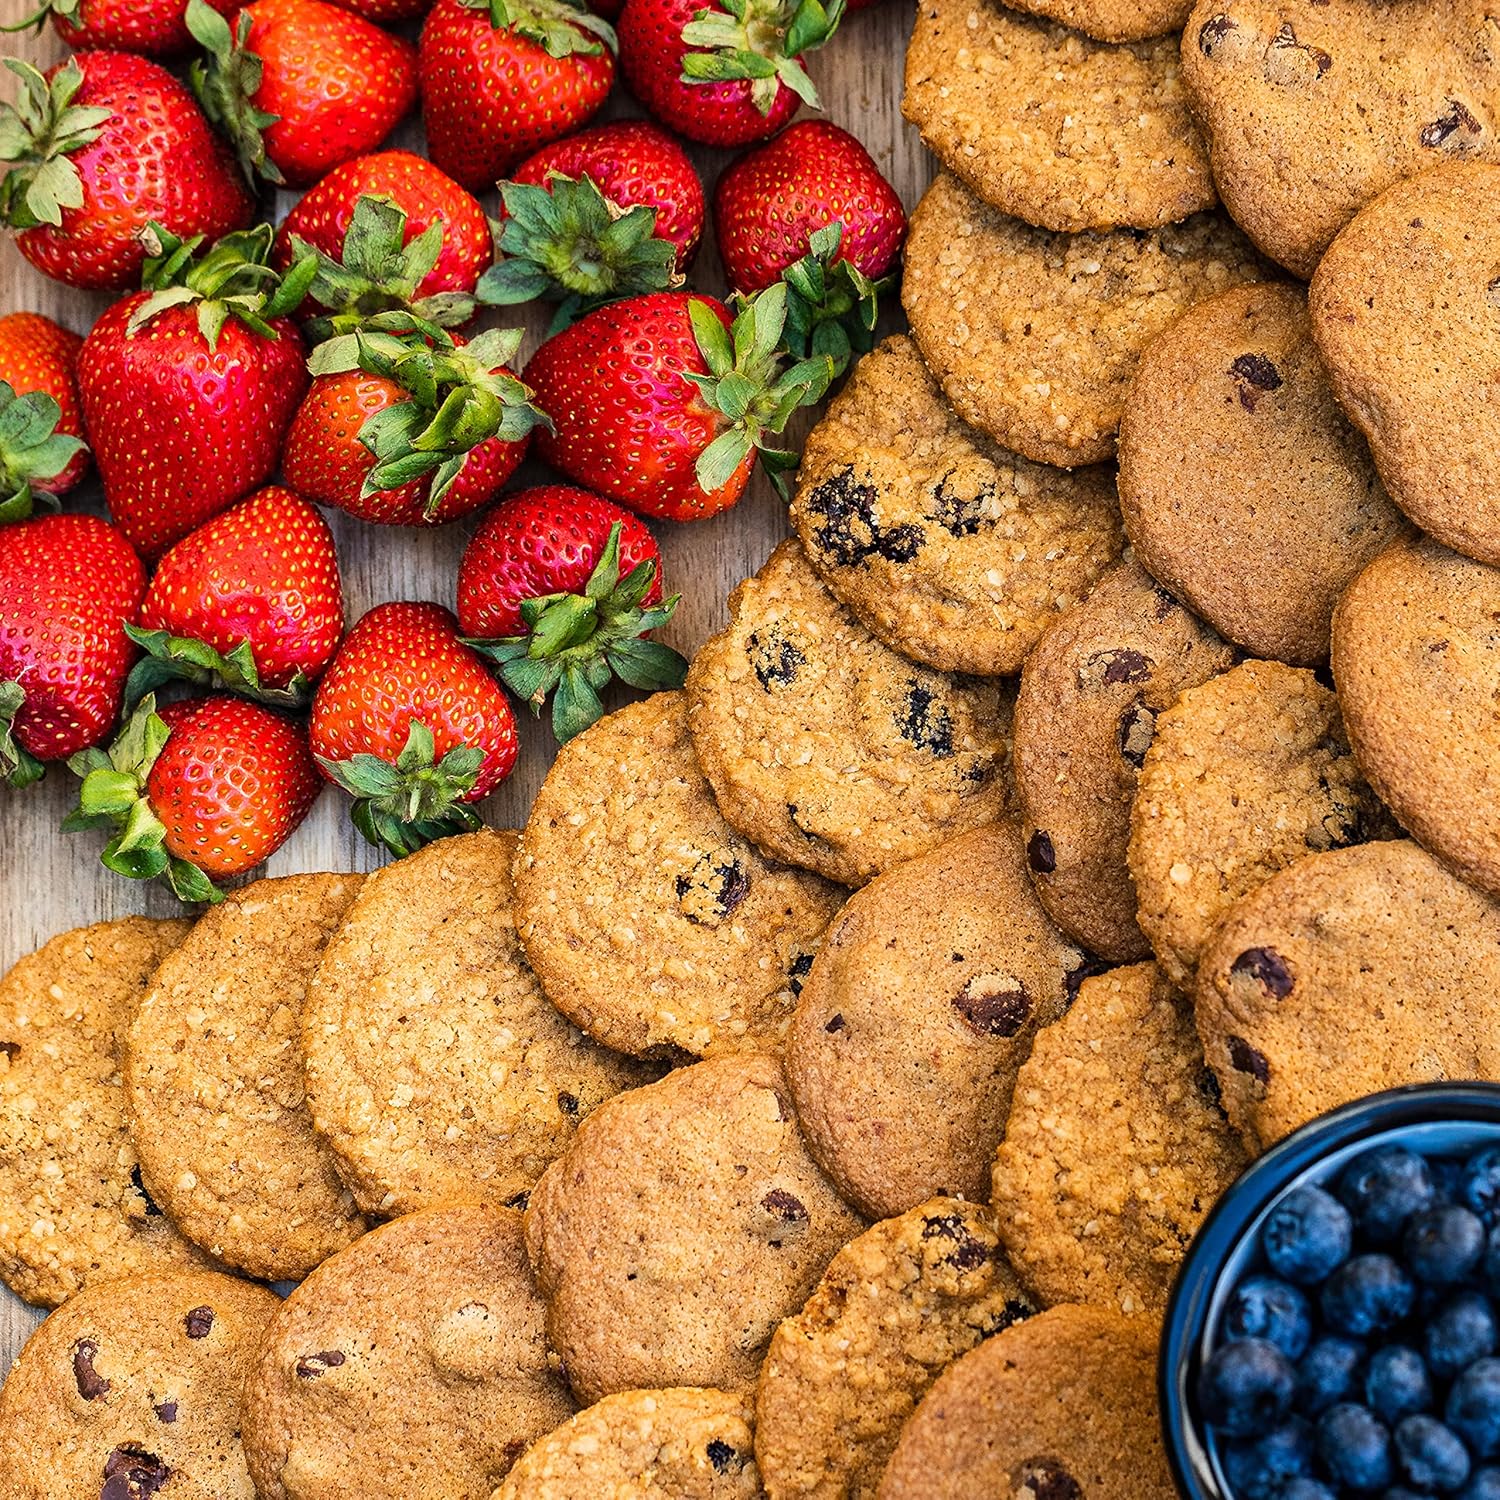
(1334, 1332)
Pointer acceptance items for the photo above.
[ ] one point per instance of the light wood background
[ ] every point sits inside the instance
(50, 882)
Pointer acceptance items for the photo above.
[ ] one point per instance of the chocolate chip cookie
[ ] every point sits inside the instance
(1044, 123)
(1077, 1386)
(828, 749)
(1416, 655)
(1245, 774)
(1313, 107)
(1116, 1147)
(682, 1225)
(1245, 489)
(920, 1007)
(133, 1389)
(213, 1076)
(951, 550)
(1348, 973)
(414, 1362)
(650, 922)
(436, 1069)
(1406, 311)
(1113, 20)
(679, 1444)
(1034, 336)
(72, 1204)
(895, 1305)
(1085, 716)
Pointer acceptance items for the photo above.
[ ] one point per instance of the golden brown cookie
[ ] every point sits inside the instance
(1244, 487)
(682, 1225)
(1034, 336)
(412, 1363)
(919, 1009)
(954, 552)
(895, 1305)
(828, 749)
(1348, 973)
(1116, 1147)
(1113, 20)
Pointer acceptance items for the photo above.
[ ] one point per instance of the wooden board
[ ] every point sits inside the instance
(50, 882)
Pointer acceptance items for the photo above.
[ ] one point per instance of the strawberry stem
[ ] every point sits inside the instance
(18, 766)
(226, 80)
(761, 41)
(557, 26)
(67, 9)
(181, 658)
(38, 132)
(32, 450)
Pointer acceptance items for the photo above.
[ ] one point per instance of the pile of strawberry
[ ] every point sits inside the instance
(249, 374)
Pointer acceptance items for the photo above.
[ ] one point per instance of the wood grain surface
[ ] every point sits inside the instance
(50, 882)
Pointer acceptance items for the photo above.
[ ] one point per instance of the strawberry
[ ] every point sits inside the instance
(407, 433)
(723, 73)
(197, 792)
(410, 723)
(68, 584)
(502, 77)
(387, 11)
(655, 405)
(251, 599)
(41, 427)
(102, 146)
(156, 28)
(301, 85)
(188, 386)
(540, 588)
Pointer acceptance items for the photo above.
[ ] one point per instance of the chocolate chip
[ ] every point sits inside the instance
(1208, 1086)
(139, 1184)
(725, 883)
(1285, 41)
(784, 1206)
(1040, 854)
(1256, 377)
(1458, 116)
(166, 1411)
(11, 1050)
(1074, 978)
(942, 1227)
(1125, 665)
(1137, 727)
(568, 1104)
(131, 1473)
(1015, 1311)
(959, 515)
(775, 659)
(835, 1025)
(1165, 602)
(997, 1011)
(1045, 1479)
(925, 722)
(848, 532)
(199, 1322)
(91, 1384)
(969, 1254)
(1267, 967)
(315, 1366)
(1212, 31)
(720, 1455)
(1245, 1059)
(518, 1200)
(798, 970)
(1492, 292)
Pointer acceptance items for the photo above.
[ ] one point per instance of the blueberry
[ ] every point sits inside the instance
(1258, 1468)
(1481, 1183)
(1383, 1188)
(1400, 1492)
(1447, 1178)
(1307, 1235)
(1443, 1244)
(1484, 1484)
(1396, 1384)
(1473, 1407)
(1432, 1456)
(1303, 1488)
(1461, 1333)
(1246, 1388)
(1355, 1447)
(1261, 1307)
(1367, 1293)
(1328, 1373)
(1492, 1259)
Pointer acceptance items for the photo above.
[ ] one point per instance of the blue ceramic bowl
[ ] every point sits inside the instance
(1437, 1119)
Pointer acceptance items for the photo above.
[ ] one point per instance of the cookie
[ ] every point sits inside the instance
(680, 1444)
(1113, 20)
(650, 922)
(682, 1225)
(919, 1009)
(414, 1362)
(1416, 655)
(213, 1076)
(133, 1388)
(1406, 311)
(1313, 107)
(828, 749)
(1044, 123)
(952, 551)
(436, 1068)
(1245, 489)
(72, 1203)
(1085, 715)
(1348, 973)
(1077, 1390)
(1034, 336)
(1115, 1149)
(1246, 773)
(895, 1305)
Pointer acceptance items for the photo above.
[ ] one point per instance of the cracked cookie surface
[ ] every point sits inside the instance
(1113, 20)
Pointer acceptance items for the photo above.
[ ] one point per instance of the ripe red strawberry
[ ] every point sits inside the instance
(387, 11)
(68, 584)
(502, 77)
(101, 147)
(188, 387)
(541, 588)
(250, 600)
(41, 427)
(410, 723)
(202, 790)
(723, 73)
(154, 27)
(633, 393)
(301, 85)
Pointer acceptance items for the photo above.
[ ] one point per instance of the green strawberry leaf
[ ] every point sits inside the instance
(39, 131)
(832, 306)
(18, 766)
(179, 658)
(557, 26)
(761, 42)
(226, 80)
(32, 451)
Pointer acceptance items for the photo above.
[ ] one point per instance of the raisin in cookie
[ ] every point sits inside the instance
(895, 1305)
(954, 552)
(828, 749)
(1246, 774)
(1113, 20)
(1116, 1147)
(1085, 716)
(919, 1009)
(1245, 489)
(682, 1225)
(1348, 973)
(650, 922)
(414, 1362)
